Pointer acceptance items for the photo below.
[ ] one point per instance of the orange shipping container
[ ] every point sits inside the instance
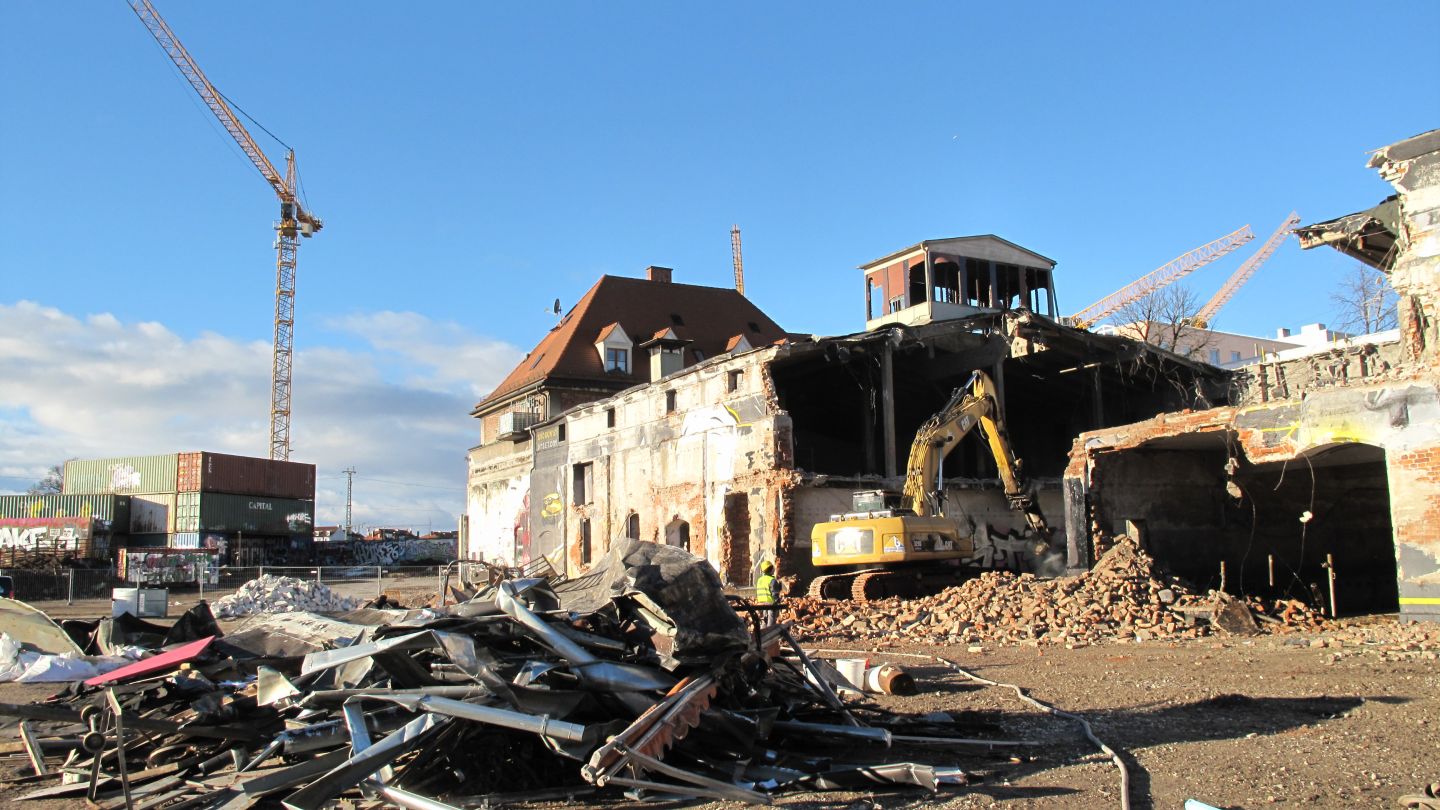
(244, 475)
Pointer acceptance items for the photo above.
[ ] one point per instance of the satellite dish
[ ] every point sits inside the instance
(557, 306)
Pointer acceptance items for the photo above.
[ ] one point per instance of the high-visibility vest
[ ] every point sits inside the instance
(765, 590)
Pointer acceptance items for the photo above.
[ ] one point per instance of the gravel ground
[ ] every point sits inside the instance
(1281, 720)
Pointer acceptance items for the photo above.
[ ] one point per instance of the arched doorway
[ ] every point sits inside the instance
(632, 526)
(677, 533)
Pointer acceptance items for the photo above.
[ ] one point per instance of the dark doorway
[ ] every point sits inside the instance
(677, 533)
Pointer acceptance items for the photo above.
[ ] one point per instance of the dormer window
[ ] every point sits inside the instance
(617, 360)
(613, 346)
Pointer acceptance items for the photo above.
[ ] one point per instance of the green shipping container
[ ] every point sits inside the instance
(125, 475)
(112, 509)
(217, 512)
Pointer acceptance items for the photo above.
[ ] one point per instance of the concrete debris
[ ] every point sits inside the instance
(533, 689)
(272, 594)
(1124, 597)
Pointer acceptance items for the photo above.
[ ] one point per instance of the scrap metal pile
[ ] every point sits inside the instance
(639, 678)
(1124, 597)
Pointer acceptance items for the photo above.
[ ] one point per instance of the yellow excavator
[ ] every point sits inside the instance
(902, 544)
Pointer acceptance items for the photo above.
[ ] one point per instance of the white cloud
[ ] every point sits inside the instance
(95, 386)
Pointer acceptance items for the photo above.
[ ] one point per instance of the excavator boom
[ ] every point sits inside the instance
(915, 547)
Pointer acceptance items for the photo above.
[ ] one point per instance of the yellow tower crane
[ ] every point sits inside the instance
(1206, 314)
(1165, 274)
(294, 221)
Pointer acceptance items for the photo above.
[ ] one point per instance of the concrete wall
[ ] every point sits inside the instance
(496, 503)
(1412, 167)
(718, 462)
(1401, 418)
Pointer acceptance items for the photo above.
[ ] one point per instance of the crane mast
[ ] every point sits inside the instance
(295, 221)
(736, 260)
(1237, 280)
(1170, 272)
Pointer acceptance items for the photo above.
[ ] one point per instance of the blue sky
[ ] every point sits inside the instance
(473, 162)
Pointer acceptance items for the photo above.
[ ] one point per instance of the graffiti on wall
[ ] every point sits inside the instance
(47, 534)
(1010, 551)
(400, 551)
(165, 566)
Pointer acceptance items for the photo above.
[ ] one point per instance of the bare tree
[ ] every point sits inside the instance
(1364, 301)
(49, 484)
(1166, 318)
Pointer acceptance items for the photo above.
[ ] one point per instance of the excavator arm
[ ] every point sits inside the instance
(972, 405)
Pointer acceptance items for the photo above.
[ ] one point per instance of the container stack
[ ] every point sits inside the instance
(36, 528)
(256, 511)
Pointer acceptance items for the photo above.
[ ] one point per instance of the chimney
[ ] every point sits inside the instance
(1282, 333)
(660, 274)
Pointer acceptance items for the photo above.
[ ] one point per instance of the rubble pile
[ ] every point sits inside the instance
(640, 678)
(272, 594)
(1124, 597)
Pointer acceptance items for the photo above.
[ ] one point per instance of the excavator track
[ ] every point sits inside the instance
(872, 586)
(832, 586)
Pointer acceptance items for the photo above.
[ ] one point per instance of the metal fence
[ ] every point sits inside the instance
(351, 580)
(67, 584)
(367, 581)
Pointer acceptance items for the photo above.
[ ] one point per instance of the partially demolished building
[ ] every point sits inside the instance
(737, 455)
(1322, 475)
(1277, 476)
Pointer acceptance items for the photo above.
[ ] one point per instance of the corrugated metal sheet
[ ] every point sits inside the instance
(152, 514)
(77, 537)
(107, 508)
(244, 475)
(222, 512)
(185, 540)
(124, 475)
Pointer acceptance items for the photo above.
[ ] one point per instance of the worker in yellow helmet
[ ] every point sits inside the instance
(767, 590)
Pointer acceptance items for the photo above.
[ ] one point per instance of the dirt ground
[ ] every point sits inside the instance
(1274, 720)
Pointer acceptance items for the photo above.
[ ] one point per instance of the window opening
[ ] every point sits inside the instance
(609, 417)
(617, 360)
(733, 381)
(585, 550)
(584, 482)
(669, 401)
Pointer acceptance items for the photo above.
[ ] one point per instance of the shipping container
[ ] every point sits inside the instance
(125, 475)
(252, 514)
(184, 540)
(78, 538)
(244, 475)
(109, 509)
(147, 541)
(152, 514)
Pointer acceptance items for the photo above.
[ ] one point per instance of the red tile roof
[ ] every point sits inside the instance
(709, 316)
